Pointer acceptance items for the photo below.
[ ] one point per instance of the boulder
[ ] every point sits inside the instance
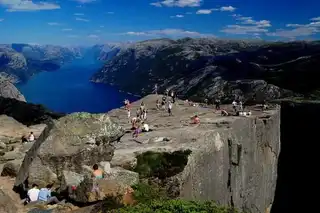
(7, 204)
(70, 179)
(85, 193)
(11, 168)
(11, 129)
(67, 144)
(8, 90)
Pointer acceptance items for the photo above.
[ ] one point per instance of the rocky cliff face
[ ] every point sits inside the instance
(232, 160)
(8, 90)
(18, 62)
(208, 68)
(73, 141)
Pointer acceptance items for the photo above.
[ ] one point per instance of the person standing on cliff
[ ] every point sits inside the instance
(170, 108)
(217, 103)
(234, 105)
(156, 89)
(128, 114)
(172, 95)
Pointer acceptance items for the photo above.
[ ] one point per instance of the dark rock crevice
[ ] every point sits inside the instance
(161, 165)
(27, 113)
(297, 160)
(162, 169)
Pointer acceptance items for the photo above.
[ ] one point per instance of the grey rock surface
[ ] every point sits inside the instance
(233, 159)
(69, 143)
(8, 90)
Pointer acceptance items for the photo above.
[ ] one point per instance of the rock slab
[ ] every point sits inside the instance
(67, 144)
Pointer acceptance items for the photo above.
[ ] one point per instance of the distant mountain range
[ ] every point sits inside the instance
(211, 68)
(195, 68)
(18, 62)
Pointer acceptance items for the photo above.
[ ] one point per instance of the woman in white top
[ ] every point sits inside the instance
(31, 137)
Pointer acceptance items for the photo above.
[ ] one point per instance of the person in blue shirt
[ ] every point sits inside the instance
(45, 195)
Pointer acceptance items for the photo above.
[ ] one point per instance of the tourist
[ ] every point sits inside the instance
(240, 106)
(196, 119)
(136, 132)
(33, 193)
(158, 104)
(206, 101)
(224, 113)
(170, 108)
(128, 114)
(45, 195)
(172, 95)
(163, 102)
(97, 173)
(217, 103)
(138, 113)
(127, 104)
(145, 128)
(133, 122)
(156, 88)
(234, 105)
(31, 137)
(144, 114)
(167, 92)
(142, 106)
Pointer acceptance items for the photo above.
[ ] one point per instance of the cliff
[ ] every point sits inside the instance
(8, 90)
(209, 68)
(232, 160)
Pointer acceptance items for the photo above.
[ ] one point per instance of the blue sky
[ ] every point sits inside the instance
(72, 22)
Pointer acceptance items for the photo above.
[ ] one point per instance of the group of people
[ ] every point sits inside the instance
(138, 123)
(29, 138)
(41, 195)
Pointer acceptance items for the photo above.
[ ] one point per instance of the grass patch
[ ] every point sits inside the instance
(161, 164)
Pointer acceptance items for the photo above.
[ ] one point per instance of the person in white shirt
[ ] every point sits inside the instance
(234, 105)
(170, 108)
(33, 193)
(31, 137)
(145, 128)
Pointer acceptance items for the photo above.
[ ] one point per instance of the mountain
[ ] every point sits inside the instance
(105, 52)
(18, 62)
(210, 68)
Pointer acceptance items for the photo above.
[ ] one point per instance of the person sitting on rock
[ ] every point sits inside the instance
(224, 113)
(45, 195)
(97, 173)
(136, 132)
(133, 122)
(196, 119)
(145, 128)
(33, 193)
(128, 197)
(31, 137)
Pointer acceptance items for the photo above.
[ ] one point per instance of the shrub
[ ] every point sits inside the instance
(175, 206)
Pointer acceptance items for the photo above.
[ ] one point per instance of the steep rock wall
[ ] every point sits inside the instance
(238, 166)
(298, 160)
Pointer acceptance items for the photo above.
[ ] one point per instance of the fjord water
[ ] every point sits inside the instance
(69, 89)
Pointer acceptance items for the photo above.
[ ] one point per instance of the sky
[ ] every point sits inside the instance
(87, 22)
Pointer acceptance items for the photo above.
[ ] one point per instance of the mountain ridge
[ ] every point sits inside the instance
(211, 68)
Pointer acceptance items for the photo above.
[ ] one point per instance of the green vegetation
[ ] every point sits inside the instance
(176, 206)
(161, 164)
